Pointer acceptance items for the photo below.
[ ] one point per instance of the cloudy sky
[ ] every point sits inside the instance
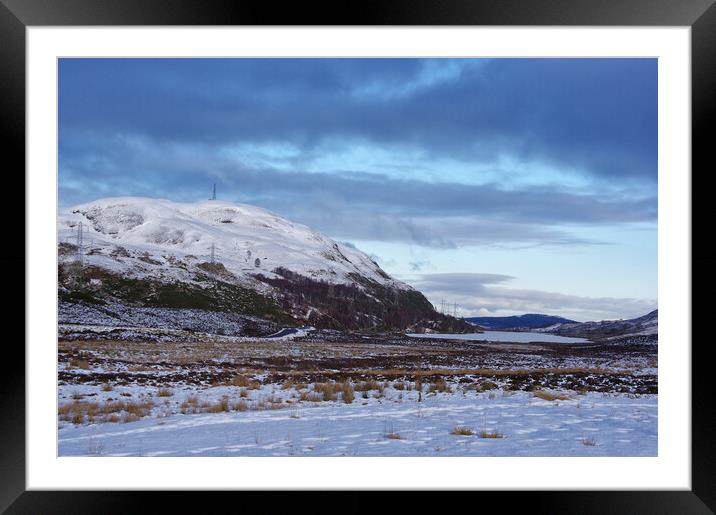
(504, 186)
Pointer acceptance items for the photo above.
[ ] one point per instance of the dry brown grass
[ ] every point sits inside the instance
(139, 368)
(225, 405)
(140, 409)
(485, 386)
(107, 387)
(327, 389)
(244, 382)
(366, 386)
(490, 434)
(390, 433)
(80, 363)
(462, 431)
(164, 392)
(79, 412)
(548, 396)
(311, 397)
(190, 405)
(221, 406)
(488, 372)
(439, 386)
(269, 402)
(287, 385)
(347, 393)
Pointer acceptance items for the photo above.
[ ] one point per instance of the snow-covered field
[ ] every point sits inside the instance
(327, 393)
(592, 424)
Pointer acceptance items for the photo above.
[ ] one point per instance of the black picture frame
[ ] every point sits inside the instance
(700, 15)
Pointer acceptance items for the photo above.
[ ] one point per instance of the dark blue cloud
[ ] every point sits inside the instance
(596, 116)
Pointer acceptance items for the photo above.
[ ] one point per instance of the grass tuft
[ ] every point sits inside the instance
(490, 434)
(80, 363)
(548, 396)
(439, 385)
(80, 412)
(462, 431)
(244, 382)
(327, 389)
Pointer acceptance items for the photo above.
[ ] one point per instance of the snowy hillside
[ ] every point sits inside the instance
(247, 239)
(226, 257)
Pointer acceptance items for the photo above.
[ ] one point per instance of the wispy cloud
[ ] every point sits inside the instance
(479, 294)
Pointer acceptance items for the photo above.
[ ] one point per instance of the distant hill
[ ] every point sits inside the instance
(528, 321)
(644, 328)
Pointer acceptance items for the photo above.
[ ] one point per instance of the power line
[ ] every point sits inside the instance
(213, 253)
(79, 238)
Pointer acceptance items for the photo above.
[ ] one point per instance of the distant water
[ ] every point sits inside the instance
(504, 336)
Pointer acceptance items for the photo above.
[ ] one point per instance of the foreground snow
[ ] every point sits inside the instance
(593, 424)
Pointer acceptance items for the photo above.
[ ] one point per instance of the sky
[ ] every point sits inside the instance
(494, 186)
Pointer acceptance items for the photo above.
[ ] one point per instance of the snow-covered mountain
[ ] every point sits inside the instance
(224, 256)
(247, 239)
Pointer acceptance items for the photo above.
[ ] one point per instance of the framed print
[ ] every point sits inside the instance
(261, 246)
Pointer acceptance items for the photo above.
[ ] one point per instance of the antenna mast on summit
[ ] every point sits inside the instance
(213, 253)
(213, 195)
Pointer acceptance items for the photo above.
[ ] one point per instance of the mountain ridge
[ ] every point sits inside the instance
(514, 322)
(645, 327)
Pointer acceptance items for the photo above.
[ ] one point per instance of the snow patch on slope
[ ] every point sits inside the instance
(247, 240)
